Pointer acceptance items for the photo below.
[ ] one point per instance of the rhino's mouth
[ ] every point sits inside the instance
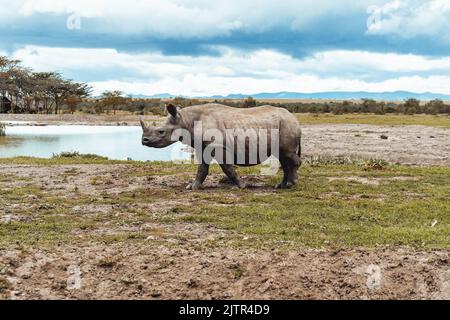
(155, 144)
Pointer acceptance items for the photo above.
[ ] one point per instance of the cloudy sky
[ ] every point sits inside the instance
(205, 47)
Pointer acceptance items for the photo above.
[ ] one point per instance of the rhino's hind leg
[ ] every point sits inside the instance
(290, 165)
(202, 173)
(229, 170)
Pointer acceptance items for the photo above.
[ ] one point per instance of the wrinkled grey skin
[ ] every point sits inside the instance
(222, 117)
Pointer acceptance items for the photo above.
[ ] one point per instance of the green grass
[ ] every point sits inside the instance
(442, 121)
(340, 213)
(337, 204)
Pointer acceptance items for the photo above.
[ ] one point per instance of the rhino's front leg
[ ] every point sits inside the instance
(202, 173)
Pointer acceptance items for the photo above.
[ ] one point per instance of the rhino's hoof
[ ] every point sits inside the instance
(194, 186)
(284, 185)
(241, 185)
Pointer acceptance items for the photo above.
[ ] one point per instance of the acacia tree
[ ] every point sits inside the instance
(72, 103)
(113, 99)
(44, 91)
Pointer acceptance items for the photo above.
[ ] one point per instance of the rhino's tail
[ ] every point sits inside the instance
(299, 152)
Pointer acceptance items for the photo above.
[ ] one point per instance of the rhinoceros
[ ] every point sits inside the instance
(225, 119)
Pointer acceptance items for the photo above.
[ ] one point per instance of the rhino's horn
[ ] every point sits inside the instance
(143, 125)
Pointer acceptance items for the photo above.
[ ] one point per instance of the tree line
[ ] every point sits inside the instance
(156, 106)
(24, 91)
(409, 106)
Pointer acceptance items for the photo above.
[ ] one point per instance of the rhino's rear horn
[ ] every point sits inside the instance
(143, 125)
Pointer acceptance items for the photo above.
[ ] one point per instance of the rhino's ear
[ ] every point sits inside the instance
(172, 110)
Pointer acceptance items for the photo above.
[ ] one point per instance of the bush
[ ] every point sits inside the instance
(76, 154)
(249, 103)
(411, 106)
(375, 164)
(2, 130)
(367, 164)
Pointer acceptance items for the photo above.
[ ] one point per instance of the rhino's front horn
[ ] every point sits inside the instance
(143, 125)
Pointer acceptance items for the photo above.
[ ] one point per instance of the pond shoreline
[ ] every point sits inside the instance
(113, 142)
(408, 144)
(77, 119)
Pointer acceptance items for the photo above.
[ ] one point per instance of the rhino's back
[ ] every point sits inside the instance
(224, 117)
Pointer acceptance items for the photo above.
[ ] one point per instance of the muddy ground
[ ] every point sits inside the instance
(190, 271)
(181, 260)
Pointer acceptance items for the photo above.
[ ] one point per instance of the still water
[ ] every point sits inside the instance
(114, 142)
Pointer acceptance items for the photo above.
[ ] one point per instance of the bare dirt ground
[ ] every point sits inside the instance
(419, 145)
(181, 260)
(191, 272)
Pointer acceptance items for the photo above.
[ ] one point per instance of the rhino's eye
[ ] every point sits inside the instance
(161, 131)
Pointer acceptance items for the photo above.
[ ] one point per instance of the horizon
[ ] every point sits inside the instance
(202, 50)
(286, 95)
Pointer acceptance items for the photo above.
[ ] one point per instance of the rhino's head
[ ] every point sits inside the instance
(161, 137)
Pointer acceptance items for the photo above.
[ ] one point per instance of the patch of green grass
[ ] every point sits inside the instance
(331, 207)
(338, 203)
(374, 119)
(76, 154)
(238, 271)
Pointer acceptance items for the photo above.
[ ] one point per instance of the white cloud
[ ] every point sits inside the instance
(188, 18)
(200, 85)
(247, 72)
(411, 18)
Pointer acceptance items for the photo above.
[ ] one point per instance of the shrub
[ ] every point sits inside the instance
(375, 164)
(367, 164)
(2, 130)
(411, 106)
(249, 103)
(76, 154)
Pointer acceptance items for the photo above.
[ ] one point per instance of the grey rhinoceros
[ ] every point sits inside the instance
(224, 119)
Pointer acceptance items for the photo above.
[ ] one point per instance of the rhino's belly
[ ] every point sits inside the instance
(245, 158)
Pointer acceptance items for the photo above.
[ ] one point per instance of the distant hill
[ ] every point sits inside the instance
(155, 96)
(344, 95)
(332, 95)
